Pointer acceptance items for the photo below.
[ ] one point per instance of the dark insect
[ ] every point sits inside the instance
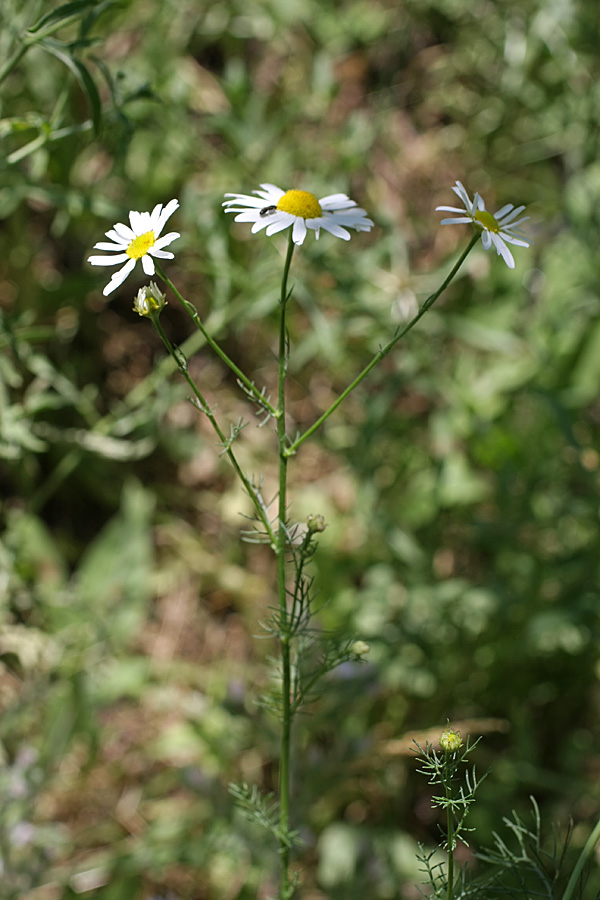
(268, 210)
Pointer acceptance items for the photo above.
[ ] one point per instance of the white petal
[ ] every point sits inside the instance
(271, 191)
(505, 210)
(161, 254)
(513, 240)
(460, 191)
(449, 209)
(166, 239)
(459, 221)
(123, 231)
(248, 215)
(335, 229)
(161, 218)
(274, 226)
(349, 216)
(148, 264)
(113, 248)
(299, 230)
(486, 239)
(283, 221)
(118, 278)
(108, 260)
(119, 240)
(137, 222)
(242, 200)
(336, 201)
(503, 250)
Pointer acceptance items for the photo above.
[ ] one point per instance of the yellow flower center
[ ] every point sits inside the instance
(487, 220)
(140, 245)
(301, 204)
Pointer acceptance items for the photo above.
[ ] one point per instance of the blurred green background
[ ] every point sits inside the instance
(459, 483)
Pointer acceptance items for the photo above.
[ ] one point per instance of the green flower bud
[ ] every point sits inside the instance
(360, 648)
(149, 300)
(316, 523)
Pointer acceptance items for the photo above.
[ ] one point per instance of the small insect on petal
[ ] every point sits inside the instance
(268, 210)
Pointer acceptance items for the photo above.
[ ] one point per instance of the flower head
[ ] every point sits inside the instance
(450, 740)
(141, 241)
(496, 230)
(149, 300)
(277, 210)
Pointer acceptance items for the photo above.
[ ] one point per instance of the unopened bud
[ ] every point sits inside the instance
(149, 300)
(316, 523)
(450, 740)
(360, 648)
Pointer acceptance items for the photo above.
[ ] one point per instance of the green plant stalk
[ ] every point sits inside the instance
(449, 841)
(193, 314)
(285, 636)
(384, 350)
(585, 854)
(211, 418)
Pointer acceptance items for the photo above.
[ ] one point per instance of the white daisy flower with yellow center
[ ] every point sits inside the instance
(496, 230)
(277, 210)
(142, 241)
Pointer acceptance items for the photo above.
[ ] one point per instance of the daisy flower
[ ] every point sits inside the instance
(141, 241)
(277, 210)
(496, 230)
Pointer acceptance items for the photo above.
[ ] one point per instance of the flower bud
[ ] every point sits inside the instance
(315, 523)
(360, 648)
(450, 740)
(149, 300)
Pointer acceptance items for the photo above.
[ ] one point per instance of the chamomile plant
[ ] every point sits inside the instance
(303, 656)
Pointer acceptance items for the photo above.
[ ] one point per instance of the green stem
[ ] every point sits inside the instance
(193, 313)
(14, 60)
(450, 843)
(584, 856)
(250, 489)
(383, 351)
(282, 540)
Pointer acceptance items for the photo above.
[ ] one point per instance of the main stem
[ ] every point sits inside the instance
(284, 631)
(450, 843)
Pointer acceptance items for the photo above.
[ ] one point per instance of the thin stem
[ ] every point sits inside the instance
(14, 61)
(449, 841)
(250, 489)
(193, 313)
(282, 540)
(584, 856)
(383, 351)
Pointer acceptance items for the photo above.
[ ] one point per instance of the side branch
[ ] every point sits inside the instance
(382, 352)
(191, 310)
(201, 403)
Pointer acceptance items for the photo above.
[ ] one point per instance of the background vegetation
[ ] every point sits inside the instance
(460, 485)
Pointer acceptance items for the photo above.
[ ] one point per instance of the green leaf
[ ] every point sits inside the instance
(68, 11)
(82, 75)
